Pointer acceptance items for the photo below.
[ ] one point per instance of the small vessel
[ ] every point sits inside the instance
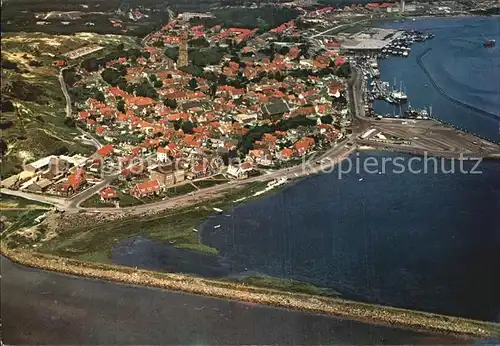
(390, 99)
(216, 226)
(489, 43)
(195, 230)
(399, 95)
(405, 53)
(360, 179)
(218, 210)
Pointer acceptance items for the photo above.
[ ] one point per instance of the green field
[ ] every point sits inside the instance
(175, 227)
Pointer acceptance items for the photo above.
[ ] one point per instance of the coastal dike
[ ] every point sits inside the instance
(363, 312)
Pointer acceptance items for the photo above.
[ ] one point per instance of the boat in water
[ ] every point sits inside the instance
(416, 113)
(399, 95)
(489, 43)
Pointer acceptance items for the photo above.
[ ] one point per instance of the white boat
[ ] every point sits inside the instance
(405, 53)
(195, 230)
(360, 179)
(218, 210)
(217, 226)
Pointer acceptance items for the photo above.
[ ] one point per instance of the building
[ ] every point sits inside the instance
(37, 185)
(183, 50)
(240, 171)
(56, 167)
(164, 175)
(105, 151)
(162, 154)
(148, 188)
(108, 194)
(74, 183)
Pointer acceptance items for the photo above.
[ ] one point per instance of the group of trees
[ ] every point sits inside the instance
(94, 64)
(115, 77)
(172, 103)
(344, 70)
(81, 94)
(185, 125)
(198, 57)
(257, 132)
(145, 89)
(264, 18)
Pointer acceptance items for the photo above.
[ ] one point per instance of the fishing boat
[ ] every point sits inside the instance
(399, 95)
(489, 43)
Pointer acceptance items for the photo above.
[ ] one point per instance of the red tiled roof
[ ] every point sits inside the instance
(162, 150)
(109, 193)
(116, 91)
(76, 179)
(339, 61)
(147, 187)
(105, 150)
(287, 152)
(84, 115)
(99, 129)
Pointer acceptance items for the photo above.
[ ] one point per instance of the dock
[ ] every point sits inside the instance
(429, 137)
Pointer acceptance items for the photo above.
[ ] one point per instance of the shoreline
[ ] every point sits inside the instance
(341, 308)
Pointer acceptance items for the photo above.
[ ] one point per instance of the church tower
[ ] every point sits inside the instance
(183, 50)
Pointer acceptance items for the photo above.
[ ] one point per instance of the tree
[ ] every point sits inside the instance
(130, 88)
(120, 106)
(146, 90)
(170, 103)
(213, 90)
(327, 119)
(111, 76)
(193, 84)
(187, 127)
(122, 69)
(172, 53)
(100, 96)
(153, 78)
(158, 84)
(122, 84)
(284, 50)
(199, 42)
(344, 70)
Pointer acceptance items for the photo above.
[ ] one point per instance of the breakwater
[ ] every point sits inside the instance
(251, 294)
(442, 92)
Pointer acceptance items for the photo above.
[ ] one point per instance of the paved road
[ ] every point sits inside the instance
(56, 201)
(69, 109)
(75, 201)
(65, 92)
(94, 140)
(41, 307)
(331, 157)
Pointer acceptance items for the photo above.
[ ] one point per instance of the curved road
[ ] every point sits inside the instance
(69, 110)
(41, 307)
